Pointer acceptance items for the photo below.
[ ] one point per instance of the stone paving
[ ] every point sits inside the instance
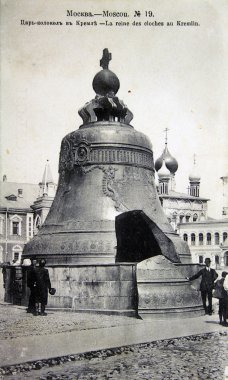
(195, 357)
(189, 358)
(18, 323)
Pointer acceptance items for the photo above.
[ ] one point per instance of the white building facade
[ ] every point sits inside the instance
(207, 239)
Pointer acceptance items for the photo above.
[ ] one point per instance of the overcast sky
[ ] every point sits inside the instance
(170, 77)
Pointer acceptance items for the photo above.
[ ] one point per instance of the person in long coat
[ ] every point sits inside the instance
(31, 285)
(43, 285)
(222, 296)
(208, 277)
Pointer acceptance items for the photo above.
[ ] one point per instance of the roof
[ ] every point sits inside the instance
(175, 194)
(29, 194)
(47, 176)
(206, 221)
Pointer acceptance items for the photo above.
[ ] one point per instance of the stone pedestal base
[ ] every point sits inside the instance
(108, 288)
(164, 291)
(153, 288)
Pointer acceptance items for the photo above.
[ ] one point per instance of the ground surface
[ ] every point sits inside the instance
(192, 358)
(198, 357)
(15, 322)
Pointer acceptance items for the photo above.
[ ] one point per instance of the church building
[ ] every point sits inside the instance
(179, 207)
(188, 214)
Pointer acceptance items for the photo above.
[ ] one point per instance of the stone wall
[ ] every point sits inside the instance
(104, 288)
(94, 287)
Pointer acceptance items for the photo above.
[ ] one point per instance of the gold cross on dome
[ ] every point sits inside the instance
(194, 158)
(166, 135)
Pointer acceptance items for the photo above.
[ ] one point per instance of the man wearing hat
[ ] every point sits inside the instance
(31, 285)
(208, 277)
(42, 285)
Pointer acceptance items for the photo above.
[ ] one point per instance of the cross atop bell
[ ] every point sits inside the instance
(106, 58)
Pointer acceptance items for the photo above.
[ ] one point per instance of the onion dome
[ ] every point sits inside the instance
(170, 162)
(158, 163)
(163, 172)
(194, 175)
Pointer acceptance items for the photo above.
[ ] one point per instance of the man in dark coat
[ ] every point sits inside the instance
(222, 296)
(43, 285)
(208, 277)
(31, 285)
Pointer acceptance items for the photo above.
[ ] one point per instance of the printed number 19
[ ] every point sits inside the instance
(149, 14)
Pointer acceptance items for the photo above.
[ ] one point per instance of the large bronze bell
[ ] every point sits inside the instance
(106, 168)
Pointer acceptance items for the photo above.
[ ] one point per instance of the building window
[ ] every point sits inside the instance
(15, 228)
(185, 237)
(187, 218)
(202, 216)
(195, 217)
(226, 258)
(216, 259)
(17, 251)
(15, 225)
(193, 239)
(30, 227)
(164, 188)
(208, 238)
(200, 259)
(181, 218)
(174, 216)
(200, 239)
(224, 236)
(37, 224)
(16, 256)
(216, 238)
(38, 221)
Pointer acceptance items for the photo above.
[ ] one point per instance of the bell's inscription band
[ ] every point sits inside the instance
(83, 154)
(110, 155)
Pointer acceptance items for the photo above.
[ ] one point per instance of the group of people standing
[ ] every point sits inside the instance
(38, 281)
(209, 288)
